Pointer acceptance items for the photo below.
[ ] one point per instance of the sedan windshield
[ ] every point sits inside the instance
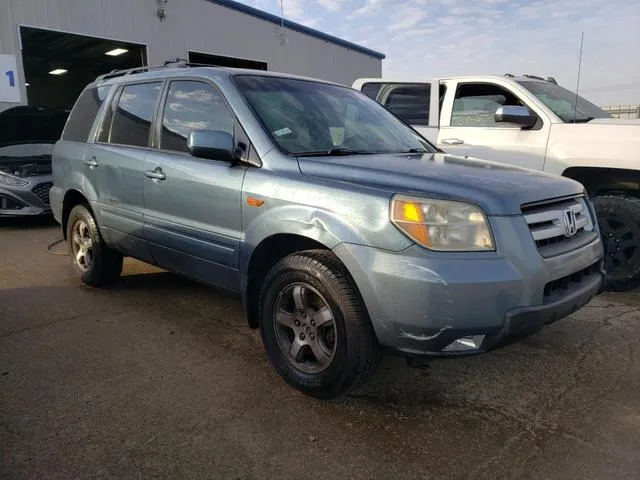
(312, 118)
(563, 102)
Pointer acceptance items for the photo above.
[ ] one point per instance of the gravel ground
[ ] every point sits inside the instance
(160, 377)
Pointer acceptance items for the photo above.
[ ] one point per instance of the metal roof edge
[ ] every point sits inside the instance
(240, 7)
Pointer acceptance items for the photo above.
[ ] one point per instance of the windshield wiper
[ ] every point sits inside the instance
(415, 150)
(334, 152)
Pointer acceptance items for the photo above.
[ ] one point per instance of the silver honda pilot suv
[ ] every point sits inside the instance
(344, 231)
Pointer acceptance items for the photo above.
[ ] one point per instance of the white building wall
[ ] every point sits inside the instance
(196, 25)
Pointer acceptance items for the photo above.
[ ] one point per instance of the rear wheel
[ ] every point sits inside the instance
(314, 326)
(619, 221)
(97, 264)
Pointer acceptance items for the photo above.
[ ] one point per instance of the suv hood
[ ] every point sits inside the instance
(497, 188)
(24, 125)
(27, 136)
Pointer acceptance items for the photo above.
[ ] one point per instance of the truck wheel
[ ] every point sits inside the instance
(97, 264)
(619, 221)
(314, 325)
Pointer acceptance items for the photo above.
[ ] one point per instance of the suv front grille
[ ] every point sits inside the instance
(42, 191)
(559, 226)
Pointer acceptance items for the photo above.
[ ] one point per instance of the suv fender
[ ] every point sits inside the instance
(284, 230)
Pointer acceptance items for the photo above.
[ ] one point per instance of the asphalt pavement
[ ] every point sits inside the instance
(159, 377)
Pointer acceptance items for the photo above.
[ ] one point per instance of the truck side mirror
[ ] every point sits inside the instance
(516, 114)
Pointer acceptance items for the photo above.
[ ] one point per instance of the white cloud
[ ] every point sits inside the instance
(369, 7)
(461, 11)
(293, 8)
(333, 5)
(407, 17)
(449, 20)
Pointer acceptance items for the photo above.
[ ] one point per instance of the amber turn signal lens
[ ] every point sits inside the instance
(409, 216)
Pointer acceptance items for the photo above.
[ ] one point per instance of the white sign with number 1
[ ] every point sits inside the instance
(9, 88)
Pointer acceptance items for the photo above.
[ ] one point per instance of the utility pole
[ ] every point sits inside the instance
(575, 108)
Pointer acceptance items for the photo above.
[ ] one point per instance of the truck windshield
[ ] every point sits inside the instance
(313, 118)
(563, 102)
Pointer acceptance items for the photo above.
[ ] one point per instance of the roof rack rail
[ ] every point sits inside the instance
(177, 63)
(526, 75)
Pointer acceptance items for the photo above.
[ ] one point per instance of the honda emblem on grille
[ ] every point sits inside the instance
(570, 227)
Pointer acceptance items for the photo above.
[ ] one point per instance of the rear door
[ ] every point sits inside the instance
(193, 205)
(114, 165)
(468, 125)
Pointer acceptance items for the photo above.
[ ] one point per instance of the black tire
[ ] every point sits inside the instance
(356, 352)
(619, 222)
(102, 265)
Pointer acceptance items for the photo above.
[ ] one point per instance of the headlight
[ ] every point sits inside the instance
(441, 224)
(6, 179)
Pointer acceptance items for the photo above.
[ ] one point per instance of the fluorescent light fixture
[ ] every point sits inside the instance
(27, 84)
(116, 51)
(58, 71)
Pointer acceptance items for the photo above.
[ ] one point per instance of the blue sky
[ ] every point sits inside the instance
(454, 37)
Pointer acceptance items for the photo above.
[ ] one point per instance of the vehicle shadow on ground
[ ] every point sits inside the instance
(19, 223)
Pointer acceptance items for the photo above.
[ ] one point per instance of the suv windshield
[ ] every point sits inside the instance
(312, 118)
(563, 102)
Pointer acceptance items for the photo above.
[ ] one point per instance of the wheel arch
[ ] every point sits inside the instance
(72, 198)
(605, 180)
(264, 256)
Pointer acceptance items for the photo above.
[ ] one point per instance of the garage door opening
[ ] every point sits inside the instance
(220, 61)
(58, 65)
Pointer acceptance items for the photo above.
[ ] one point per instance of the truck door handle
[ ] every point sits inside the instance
(91, 163)
(452, 141)
(156, 174)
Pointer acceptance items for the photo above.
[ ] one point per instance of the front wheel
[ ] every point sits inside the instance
(97, 264)
(314, 326)
(619, 221)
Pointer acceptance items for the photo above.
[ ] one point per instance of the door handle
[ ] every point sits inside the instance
(156, 174)
(91, 163)
(452, 141)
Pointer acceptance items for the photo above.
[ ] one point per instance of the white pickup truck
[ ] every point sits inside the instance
(532, 122)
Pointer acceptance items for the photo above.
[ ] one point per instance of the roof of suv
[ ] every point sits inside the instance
(144, 73)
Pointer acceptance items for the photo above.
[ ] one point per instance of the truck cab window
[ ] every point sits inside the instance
(410, 103)
(475, 105)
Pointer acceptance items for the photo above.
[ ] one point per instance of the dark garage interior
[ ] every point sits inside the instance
(58, 65)
(221, 61)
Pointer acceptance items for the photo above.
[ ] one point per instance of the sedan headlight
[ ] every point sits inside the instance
(10, 180)
(441, 224)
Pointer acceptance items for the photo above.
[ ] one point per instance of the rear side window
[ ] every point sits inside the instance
(192, 105)
(410, 103)
(84, 113)
(371, 89)
(131, 122)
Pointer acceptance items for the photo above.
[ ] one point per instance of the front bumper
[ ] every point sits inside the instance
(30, 200)
(420, 302)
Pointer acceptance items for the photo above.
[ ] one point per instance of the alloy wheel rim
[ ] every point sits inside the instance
(305, 328)
(622, 244)
(82, 245)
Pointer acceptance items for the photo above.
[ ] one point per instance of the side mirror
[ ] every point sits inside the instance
(211, 144)
(516, 114)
